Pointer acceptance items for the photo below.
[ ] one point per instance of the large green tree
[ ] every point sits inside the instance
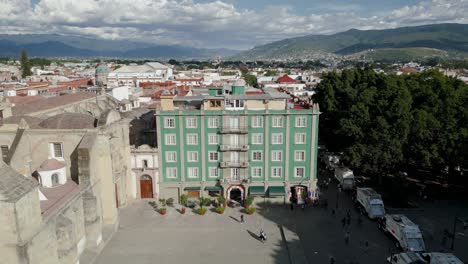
(25, 65)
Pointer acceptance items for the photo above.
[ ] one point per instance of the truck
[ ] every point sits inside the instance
(370, 202)
(345, 177)
(423, 258)
(406, 233)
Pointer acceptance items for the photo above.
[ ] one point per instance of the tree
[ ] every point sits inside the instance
(25, 65)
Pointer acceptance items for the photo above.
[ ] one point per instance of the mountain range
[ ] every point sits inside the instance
(53, 45)
(444, 37)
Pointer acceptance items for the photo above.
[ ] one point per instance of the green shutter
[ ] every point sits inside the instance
(256, 190)
(276, 191)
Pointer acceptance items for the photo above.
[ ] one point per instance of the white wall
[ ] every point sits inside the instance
(120, 93)
(46, 177)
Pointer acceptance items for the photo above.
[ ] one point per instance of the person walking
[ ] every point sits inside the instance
(343, 222)
(242, 219)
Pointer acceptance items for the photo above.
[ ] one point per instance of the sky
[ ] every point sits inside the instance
(234, 24)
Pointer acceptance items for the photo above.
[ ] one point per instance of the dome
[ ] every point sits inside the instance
(69, 121)
(50, 165)
(102, 68)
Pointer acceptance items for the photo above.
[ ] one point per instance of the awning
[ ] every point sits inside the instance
(257, 190)
(213, 188)
(276, 191)
(192, 188)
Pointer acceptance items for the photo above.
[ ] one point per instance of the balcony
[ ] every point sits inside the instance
(234, 130)
(234, 147)
(234, 164)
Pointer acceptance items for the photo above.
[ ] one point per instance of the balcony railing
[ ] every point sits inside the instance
(234, 130)
(234, 164)
(234, 147)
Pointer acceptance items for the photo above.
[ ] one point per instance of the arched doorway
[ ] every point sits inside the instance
(146, 186)
(235, 193)
(298, 194)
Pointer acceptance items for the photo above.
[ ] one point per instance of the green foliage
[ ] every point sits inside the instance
(250, 210)
(204, 201)
(25, 65)
(383, 121)
(41, 62)
(162, 201)
(271, 73)
(183, 199)
(200, 211)
(220, 209)
(222, 200)
(248, 200)
(170, 201)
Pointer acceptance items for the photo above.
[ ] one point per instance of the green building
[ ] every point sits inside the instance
(236, 141)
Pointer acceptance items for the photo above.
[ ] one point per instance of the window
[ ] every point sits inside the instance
(192, 156)
(299, 155)
(213, 139)
(277, 138)
(277, 121)
(276, 172)
(256, 156)
(171, 173)
(213, 172)
(257, 139)
(215, 103)
(299, 172)
(169, 122)
(234, 122)
(257, 121)
(5, 152)
(276, 155)
(213, 156)
(171, 156)
(213, 122)
(235, 157)
(256, 172)
(192, 139)
(193, 172)
(235, 140)
(235, 174)
(300, 138)
(191, 122)
(170, 139)
(57, 150)
(300, 121)
(145, 163)
(55, 179)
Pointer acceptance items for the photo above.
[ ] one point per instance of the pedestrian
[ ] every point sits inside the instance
(242, 219)
(348, 220)
(332, 260)
(339, 187)
(346, 239)
(343, 222)
(303, 207)
(333, 212)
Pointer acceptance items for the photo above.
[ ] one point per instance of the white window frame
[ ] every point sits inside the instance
(169, 155)
(52, 150)
(299, 152)
(195, 139)
(275, 170)
(169, 171)
(213, 172)
(211, 153)
(193, 172)
(192, 156)
(168, 142)
(274, 155)
(296, 169)
(257, 121)
(255, 170)
(238, 174)
(167, 124)
(253, 155)
(277, 121)
(254, 142)
(300, 121)
(213, 122)
(301, 136)
(191, 122)
(210, 136)
(275, 137)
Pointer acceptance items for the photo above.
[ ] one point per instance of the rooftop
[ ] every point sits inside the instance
(13, 185)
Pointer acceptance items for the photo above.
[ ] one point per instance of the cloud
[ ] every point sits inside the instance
(207, 24)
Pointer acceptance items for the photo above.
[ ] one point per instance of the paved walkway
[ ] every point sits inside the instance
(145, 236)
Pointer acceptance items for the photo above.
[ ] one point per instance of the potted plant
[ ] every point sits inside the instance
(250, 210)
(220, 209)
(200, 211)
(222, 201)
(183, 202)
(162, 211)
(248, 201)
(182, 211)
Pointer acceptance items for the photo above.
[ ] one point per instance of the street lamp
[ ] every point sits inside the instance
(455, 221)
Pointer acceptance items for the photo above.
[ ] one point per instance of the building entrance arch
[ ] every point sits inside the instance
(146, 186)
(235, 193)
